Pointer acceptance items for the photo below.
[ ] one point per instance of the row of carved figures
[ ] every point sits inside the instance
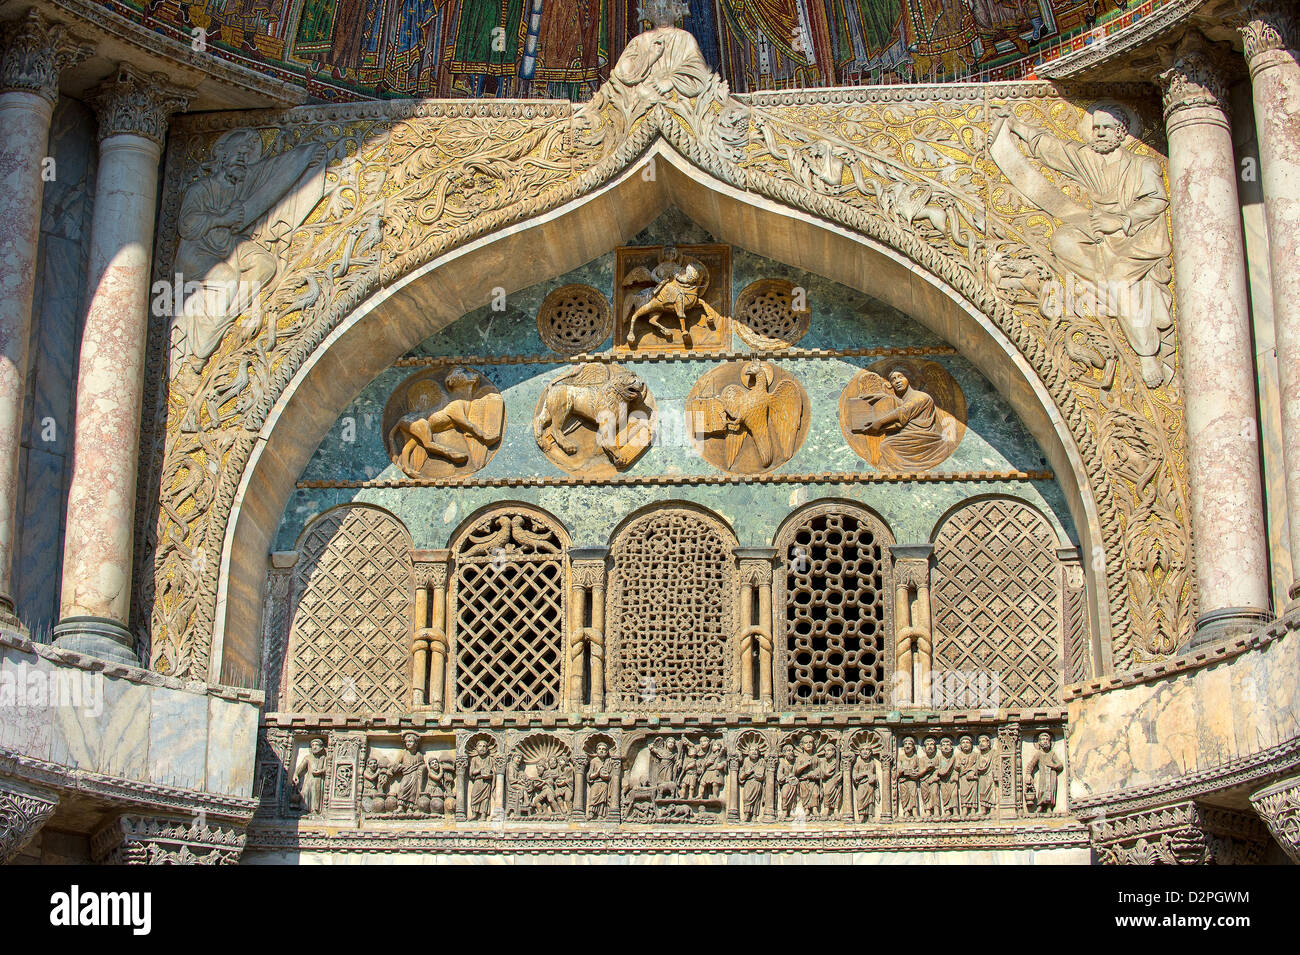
(738, 776)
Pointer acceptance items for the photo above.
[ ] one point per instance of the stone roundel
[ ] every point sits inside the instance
(765, 316)
(748, 417)
(574, 319)
(595, 419)
(444, 422)
(915, 431)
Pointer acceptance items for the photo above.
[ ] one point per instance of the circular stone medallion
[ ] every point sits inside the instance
(747, 417)
(574, 319)
(912, 422)
(765, 317)
(444, 422)
(595, 419)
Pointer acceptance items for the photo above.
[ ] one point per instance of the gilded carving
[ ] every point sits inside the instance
(670, 298)
(748, 417)
(903, 415)
(595, 419)
(444, 422)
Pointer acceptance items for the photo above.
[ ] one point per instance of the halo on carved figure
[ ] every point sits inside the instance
(444, 422)
(672, 298)
(765, 316)
(747, 417)
(574, 319)
(916, 428)
(595, 419)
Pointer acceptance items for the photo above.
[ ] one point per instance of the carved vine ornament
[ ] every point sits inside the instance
(284, 230)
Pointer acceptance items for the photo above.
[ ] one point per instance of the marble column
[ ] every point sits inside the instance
(1269, 38)
(33, 51)
(1227, 503)
(133, 111)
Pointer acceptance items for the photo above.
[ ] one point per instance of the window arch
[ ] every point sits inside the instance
(996, 598)
(350, 635)
(508, 611)
(835, 604)
(672, 612)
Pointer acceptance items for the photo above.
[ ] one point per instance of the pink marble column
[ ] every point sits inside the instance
(133, 110)
(1269, 37)
(32, 53)
(1227, 509)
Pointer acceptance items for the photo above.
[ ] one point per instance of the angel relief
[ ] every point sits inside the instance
(595, 419)
(673, 298)
(903, 416)
(748, 417)
(444, 423)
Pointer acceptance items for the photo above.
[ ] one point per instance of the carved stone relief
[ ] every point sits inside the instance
(675, 778)
(308, 786)
(1043, 769)
(574, 319)
(540, 779)
(480, 771)
(595, 419)
(444, 422)
(754, 778)
(766, 316)
(809, 776)
(868, 774)
(508, 612)
(415, 779)
(903, 414)
(748, 417)
(672, 298)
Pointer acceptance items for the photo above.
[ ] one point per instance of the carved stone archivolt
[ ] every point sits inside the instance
(748, 417)
(903, 414)
(670, 298)
(766, 316)
(894, 167)
(595, 419)
(444, 422)
(574, 319)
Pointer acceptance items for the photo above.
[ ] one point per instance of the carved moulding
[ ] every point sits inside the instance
(903, 414)
(574, 319)
(444, 422)
(748, 417)
(395, 177)
(766, 317)
(1183, 833)
(595, 419)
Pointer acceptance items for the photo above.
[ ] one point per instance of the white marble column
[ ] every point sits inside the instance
(1227, 504)
(1269, 38)
(133, 110)
(32, 53)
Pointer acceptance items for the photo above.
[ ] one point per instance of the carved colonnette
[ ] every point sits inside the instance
(903, 168)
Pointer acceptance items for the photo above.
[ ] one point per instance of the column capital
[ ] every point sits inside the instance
(24, 809)
(133, 103)
(1266, 26)
(1279, 806)
(34, 50)
(1196, 77)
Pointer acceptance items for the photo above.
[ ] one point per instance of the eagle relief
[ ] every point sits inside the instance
(747, 417)
(595, 419)
(445, 422)
(903, 415)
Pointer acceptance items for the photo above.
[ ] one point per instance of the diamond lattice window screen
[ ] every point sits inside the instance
(351, 633)
(996, 596)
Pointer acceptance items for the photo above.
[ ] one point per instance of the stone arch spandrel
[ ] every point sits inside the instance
(779, 178)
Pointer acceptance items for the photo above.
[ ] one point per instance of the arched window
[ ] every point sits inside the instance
(672, 612)
(996, 597)
(508, 611)
(350, 637)
(834, 606)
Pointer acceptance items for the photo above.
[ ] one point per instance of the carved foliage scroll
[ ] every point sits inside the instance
(672, 612)
(349, 643)
(996, 596)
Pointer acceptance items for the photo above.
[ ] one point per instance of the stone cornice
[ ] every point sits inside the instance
(133, 103)
(34, 51)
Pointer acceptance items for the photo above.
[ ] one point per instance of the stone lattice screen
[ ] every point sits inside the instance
(349, 642)
(996, 603)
